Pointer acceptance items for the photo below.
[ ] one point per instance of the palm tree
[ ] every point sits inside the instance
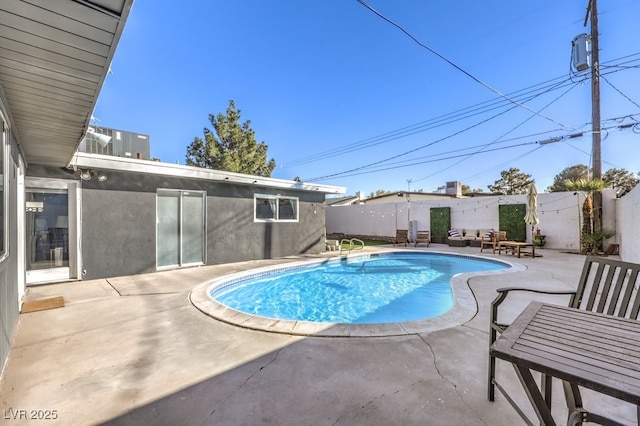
(587, 187)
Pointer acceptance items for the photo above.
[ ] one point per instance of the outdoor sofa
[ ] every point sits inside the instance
(468, 237)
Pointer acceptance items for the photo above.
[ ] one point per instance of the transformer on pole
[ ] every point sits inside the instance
(580, 52)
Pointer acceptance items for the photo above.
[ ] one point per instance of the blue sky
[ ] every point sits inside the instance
(343, 97)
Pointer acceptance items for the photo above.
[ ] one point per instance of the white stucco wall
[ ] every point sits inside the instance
(559, 212)
(628, 231)
(375, 220)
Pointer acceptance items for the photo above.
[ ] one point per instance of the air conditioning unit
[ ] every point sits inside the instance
(454, 188)
(580, 52)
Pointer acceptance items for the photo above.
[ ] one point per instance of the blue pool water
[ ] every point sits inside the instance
(390, 287)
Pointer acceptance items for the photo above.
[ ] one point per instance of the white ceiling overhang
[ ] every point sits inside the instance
(54, 57)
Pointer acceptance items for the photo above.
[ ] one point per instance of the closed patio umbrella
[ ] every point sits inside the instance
(531, 217)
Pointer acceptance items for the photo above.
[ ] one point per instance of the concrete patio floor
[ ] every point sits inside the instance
(134, 350)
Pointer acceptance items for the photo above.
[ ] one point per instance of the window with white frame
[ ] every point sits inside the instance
(275, 208)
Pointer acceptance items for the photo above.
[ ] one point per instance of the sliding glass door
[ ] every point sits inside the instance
(180, 228)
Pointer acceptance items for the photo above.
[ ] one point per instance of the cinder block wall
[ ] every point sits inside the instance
(559, 212)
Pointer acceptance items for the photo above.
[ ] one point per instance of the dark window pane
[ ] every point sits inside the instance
(286, 210)
(265, 208)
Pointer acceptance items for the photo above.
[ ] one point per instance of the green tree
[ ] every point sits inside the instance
(573, 173)
(588, 187)
(233, 147)
(512, 181)
(621, 180)
(466, 189)
(378, 193)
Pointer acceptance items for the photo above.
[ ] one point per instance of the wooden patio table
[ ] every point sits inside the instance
(596, 351)
(516, 247)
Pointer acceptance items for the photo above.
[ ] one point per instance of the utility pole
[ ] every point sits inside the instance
(596, 144)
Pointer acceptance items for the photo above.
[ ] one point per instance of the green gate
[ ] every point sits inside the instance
(511, 219)
(440, 220)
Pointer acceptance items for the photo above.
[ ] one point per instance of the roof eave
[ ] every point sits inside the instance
(106, 162)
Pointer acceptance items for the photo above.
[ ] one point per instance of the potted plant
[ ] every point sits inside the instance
(595, 240)
(539, 239)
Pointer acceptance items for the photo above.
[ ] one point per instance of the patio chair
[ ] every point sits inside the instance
(423, 237)
(402, 236)
(606, 286)
(495, 239)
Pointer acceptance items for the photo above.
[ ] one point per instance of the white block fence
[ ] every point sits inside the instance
(560, 216)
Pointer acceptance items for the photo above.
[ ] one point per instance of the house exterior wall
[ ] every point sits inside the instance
(118, 231)
(234, 236)
(10, 293)
(118, 234)
(559, 213)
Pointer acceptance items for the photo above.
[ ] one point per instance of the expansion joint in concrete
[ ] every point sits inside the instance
(444, 379)
(248, 379)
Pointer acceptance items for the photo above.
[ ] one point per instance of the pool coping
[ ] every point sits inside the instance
(463, 310)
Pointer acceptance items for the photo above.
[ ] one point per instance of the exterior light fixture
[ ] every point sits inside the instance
(102, 177)
(85, 174)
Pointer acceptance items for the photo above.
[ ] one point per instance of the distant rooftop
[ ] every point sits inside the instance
(118, 143)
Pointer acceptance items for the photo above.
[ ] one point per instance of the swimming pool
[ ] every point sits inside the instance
(384, 293)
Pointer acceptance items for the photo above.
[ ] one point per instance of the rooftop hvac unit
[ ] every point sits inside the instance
(580, 52)
(454, 188)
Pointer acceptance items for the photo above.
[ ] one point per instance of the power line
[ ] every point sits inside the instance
(430, 124)
(505, 163)
(418, 148)
(450, 154)
(413, 162)
(404, 162)
(503, 135)
(356, 172)
(415, 149)
(482, 83)
(455, 116)
(618, 90)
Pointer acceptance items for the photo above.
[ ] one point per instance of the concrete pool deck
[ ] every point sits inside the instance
(134, 350)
